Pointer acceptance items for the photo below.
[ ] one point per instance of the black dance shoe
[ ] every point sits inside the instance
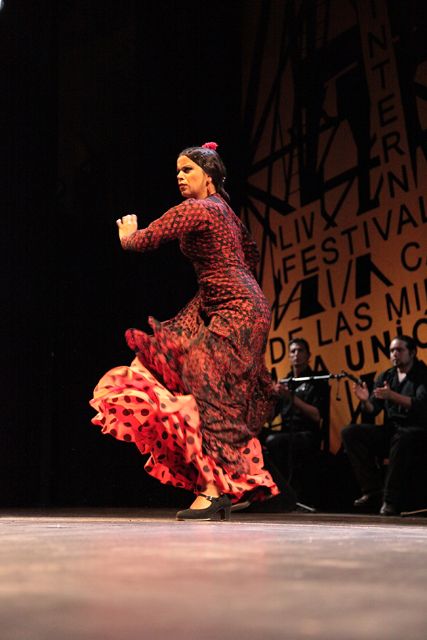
(218, 510)
(241, 506)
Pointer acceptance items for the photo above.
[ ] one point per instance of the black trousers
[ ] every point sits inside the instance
(405, 447)
(288, 452)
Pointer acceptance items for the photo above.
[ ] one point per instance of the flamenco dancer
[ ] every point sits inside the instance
(198, 392)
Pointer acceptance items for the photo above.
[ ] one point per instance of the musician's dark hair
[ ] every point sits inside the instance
(301, 342)
(410, 342)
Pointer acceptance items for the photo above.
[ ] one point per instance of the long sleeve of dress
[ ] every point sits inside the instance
(187, 217)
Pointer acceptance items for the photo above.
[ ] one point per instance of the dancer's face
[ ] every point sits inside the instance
(193, 182)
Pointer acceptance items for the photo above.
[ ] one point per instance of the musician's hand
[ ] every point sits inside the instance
(383, 393)
(127, 225)
(361, 391)
(284, 391)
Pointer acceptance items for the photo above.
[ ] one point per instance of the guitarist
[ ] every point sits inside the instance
(302, 407)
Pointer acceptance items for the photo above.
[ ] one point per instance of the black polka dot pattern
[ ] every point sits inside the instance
(170, 434)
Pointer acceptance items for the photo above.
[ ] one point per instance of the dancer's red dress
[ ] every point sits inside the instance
(198, 392)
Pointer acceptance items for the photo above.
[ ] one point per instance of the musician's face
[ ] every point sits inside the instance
(298, 355)
(400, 355)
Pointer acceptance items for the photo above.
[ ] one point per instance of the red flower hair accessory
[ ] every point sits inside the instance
(210, 145)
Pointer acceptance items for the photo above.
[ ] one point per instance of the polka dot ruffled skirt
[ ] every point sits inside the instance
(133, 406)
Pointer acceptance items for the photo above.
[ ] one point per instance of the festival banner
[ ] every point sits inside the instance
(336, 123)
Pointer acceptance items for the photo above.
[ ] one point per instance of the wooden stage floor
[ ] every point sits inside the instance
(119, 574)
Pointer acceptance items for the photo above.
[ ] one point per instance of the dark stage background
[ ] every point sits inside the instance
(98, 98)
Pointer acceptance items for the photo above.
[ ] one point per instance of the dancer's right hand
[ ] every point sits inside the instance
(127, 225)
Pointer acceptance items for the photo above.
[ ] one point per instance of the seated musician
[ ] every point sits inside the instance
(400, 394)
(301, 409)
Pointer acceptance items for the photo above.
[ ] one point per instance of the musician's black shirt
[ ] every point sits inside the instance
(414, 385)
(313, 392)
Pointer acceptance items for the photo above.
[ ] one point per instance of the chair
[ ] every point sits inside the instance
(304, 475)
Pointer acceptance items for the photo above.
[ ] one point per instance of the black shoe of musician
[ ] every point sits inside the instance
(369, 500)
(388, 509)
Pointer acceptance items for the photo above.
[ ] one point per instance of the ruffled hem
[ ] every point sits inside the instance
(133, 406)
